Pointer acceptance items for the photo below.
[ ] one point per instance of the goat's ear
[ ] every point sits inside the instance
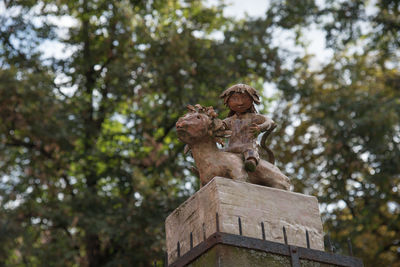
(190, 108)
(211, 112)
(199, 107)
(186, 149)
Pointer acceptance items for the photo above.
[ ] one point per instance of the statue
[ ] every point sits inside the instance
(229, 198)
(245, 123)
(200, 129)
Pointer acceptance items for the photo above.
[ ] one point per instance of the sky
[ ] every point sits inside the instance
(240, 7)
(237, 9)
(313, 37)
(257, 8)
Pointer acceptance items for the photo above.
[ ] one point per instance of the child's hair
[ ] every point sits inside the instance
(243, 89)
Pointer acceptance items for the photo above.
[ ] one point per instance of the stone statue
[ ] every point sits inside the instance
(245, 123)
(200, 129)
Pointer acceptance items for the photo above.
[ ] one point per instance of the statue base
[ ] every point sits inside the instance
(228, 250)
(247, 210)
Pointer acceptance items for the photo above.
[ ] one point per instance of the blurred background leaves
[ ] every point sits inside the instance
(90, 165)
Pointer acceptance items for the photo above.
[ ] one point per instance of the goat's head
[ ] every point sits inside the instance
(200, 123)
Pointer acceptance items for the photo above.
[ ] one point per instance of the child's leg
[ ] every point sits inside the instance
(251, 159)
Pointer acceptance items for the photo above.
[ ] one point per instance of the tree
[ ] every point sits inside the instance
(90, 163)
(343, 123)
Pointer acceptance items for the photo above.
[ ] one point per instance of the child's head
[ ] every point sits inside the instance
(240, 99)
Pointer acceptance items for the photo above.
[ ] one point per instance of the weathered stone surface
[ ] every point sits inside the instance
(253, 204)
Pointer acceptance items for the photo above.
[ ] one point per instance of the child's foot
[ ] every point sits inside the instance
(250, 165)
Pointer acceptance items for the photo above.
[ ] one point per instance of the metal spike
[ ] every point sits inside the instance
(330, 244)
(308, 239)
(178, 248)
(240, 226)
(263, 230)
(165, 259)
(284, 235)
(191, 240)
(217, 221)
(204, 232)
(350, 246)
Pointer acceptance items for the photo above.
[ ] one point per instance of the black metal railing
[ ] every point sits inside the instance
(294, 252)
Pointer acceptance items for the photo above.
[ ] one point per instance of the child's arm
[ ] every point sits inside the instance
(227, 123)
(261, 124)
(267, 124)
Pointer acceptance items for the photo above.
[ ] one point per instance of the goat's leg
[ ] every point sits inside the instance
(269, 175)
(238, 173)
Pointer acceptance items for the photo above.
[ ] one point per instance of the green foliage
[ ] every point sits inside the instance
(341, 133)
(90, 165)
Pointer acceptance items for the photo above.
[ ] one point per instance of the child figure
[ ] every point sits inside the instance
(245, 123)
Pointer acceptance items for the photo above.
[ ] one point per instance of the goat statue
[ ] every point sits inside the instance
(200, 129)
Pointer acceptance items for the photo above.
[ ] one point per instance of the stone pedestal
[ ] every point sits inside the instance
(239, 208)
